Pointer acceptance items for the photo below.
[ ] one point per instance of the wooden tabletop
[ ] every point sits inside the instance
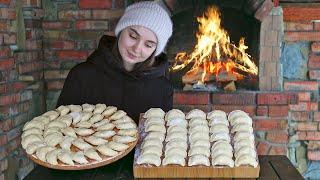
(271, 167)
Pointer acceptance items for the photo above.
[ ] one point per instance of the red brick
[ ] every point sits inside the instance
(263, 148)
(302, 36)
(300, 116)
(301, 86)
(97, 25)
(262, 110)
(6, 125)
(304, 96)
(251, 109)
(4, 26)
(191, 98)
(5, 2)
(6, 64)
(3, 139)
(234, 99)
(278, 150)
(304, 106)
(277, 136)
(314, 62)
(30, 67)
(276, 98)
(56, 25)
(314, 155)
(316, 116)
(315, 46)
(65, 45)
(33, 44)
(316, 26)
(305, 135)
(74, 14)
(187, 108)
(298, 26)
(307, 126)
(95, 4)
(4, 52)
(298, 13)
(9, 99)
(55, 85)
(81, 55)
(270, 124)
(314, 74)
(8, 13)
(9, 39)
(107, 14)
(278, 111)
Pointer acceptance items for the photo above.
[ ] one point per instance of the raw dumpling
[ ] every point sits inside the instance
(198, 135)
(79, 158)
(177, 122)
(42, 119)
(52, 156)
(197, 121)
(174, 113)
(218, 120)
(83, 124)
(124, 119)
(34, 124)
(84, 131)
(85, 116)
(95, 140)
(123, 139)
(173, 129)
(99, 108)
(200, 142)
(243, 142)
(176, 151)
(219, 128)
(95, 118)
(152, 142)
(105, 127)
(242, 119)
(69, 131)
(31, 139)
(75, 108)
(53, 139)
(31, 131)
(216, 113)
(32, 147)
(152, 150)
(87, 107)
(243, 135)
(67, 119)
(51, 130)
(79, 143)
(153, 123)
(92, 154)
(66, 157)
(76, 117)
(126, 125)
(174, 159)
(198, 159)
(117, 115)
(117, 146)
(199, 150)
(156, 128)
(58, 124)
(246, 160)
(106, 150)
(176, 135)
(66, 142)
(237, 113)
(220, 137)
(221, 151)
(196, 113)
(128, 132)
(242, 128)
(245, 150)
(104, 134)
(100, 123)
(41, 152)
(149, 159)
(154, 120)
(221, 145)
(176, 143)
(109, 111)
(63, 110)
(199, 128)
(223, 161)
(154, 135)
(154, 112)
(51, 115)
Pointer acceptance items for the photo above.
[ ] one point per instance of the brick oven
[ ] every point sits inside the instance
(40, 41)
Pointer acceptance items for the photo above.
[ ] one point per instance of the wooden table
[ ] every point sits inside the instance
(272, 167)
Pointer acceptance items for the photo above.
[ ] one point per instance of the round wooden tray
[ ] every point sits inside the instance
(92, 163)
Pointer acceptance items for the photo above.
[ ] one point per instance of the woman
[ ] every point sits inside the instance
(127, 71)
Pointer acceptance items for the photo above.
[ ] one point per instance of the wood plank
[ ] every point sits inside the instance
(266, 170)
(284, 168)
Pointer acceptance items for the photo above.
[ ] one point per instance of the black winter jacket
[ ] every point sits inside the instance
(102, 79)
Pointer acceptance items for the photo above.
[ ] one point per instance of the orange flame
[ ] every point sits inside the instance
(213, 47)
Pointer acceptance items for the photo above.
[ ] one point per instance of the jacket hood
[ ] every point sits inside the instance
(106, 57)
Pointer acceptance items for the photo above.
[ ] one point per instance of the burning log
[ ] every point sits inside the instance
(230, 86)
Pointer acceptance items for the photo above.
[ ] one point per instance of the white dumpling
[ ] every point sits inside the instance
(80, 144)
(236, 113)
(197, 121)
(246, 160)
(152, 142)
(221, 145)
(245, 150)
(53, 139)
(67, 119)
(243, 142)
(126, 125)
(128, 132)
(43, 119)
(220, 137)
(66, 157)
(198, 135)
(221, 151)
(75, 108)
(51, 130)
(154, 112)
(124, 119)
(177, 135)
(176, 151)
(243, 135)
(173, 129)
(174, 113)
(123, 139)
(84, 131)
(109, 111)
(149, 159)
(219, 128)
(66, 142)
(32, 147)
(34, 124)
(52, 156)
(99, 108)
(104, 134)
(100, 123)
(216, 113)
(200, 142)
(118, 114)
(199, 128)
(154, 120)
(41, 152)
(84, 124)
(31, 139)
(147, 126)
(31, 131)
(106, 150)
(51, 114)
(95, 140)
(156, 128)
(85, 116)
(87, 107)
(198, 159)
(79, 158)
(95, 118)
(106, 127)
(117, 146)
(242, 128)
(199, 150)
(177, 122)
(176, 143)
(241, 120)
(63, 110)
(154, 135)
(92, 154)
(152, 150)
(222, 161)
(218, 120)
(58, 124)
(76, 117)
(196, 113)
(69, 131)
(174, 159)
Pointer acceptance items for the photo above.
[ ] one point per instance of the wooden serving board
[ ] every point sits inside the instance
(176, 171)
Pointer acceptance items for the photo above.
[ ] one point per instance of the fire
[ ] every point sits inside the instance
(214, 53)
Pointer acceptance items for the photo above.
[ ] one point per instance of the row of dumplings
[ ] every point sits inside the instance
(88, 128)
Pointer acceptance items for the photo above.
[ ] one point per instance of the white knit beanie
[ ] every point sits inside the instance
(150, 15)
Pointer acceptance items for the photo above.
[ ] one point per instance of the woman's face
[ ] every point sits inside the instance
(136, 44)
